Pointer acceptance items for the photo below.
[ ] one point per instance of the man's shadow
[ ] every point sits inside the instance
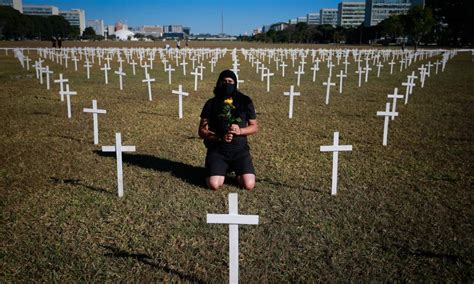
(190, 174)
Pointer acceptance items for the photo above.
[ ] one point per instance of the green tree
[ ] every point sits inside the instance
(89, 33)
(419, 22)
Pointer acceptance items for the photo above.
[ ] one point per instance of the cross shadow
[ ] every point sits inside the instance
(280, 184)
(190, 174)
(76, 182)
(146, 259)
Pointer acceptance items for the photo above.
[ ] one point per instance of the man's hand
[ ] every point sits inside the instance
(235, 129)
(228, 137)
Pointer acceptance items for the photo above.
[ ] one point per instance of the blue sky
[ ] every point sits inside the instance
(202, 16)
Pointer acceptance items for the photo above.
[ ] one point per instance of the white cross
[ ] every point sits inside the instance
(180, 93)
(75, 59)
(201, 71)
(328, 89)
(291, 93)
(196, 75)
(133, 63)
(268, 75)
(233, 219)
(422, 75)
(367, 69)
(47, 72)
(95, 111)
(360, 72)
(379, 66)
(315, 69)
(341, 76)
(61, 85)
(283, 65)
(68, 95)
(437, 63)
(148, 81)
(387, 114)
(105, 69)
(169, 70)
(184, 63)
(395, 96)
(391, 63)
(330, 66)
(335, 149)
(27, 60)
(409, 84)
(120, 73)
(299, 73)
(118, 149)
(88, 66)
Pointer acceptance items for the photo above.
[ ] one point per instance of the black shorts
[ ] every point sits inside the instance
(219, 164)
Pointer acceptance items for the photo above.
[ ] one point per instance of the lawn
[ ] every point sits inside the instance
(403, 212)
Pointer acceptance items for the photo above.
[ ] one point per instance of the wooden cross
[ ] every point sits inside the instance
(233, 219)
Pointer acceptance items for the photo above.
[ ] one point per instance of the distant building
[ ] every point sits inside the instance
(313, 19)
(302, 19)
(379, 10)
(266, 28)
(40, 10)
(257, 31)
(187, 30)
(173, 29)
(75, 17)
(279, 26)
(155, 31)
(292, 21)
(110, 29)
(350, 14)
(98, 26)
(328, 17)
(15, 4)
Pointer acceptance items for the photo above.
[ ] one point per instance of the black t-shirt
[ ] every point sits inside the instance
(213, 108)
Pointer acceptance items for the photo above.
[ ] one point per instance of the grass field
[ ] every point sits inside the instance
(402, 213)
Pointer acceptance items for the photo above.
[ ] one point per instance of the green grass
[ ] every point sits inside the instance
(403, 212)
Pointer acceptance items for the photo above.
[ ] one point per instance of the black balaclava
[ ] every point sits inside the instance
(223, 90)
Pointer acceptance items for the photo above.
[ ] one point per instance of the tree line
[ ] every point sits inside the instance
(16, 26)
(440, 22)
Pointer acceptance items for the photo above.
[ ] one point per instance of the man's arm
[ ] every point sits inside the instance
(204, 131)
(250, 129)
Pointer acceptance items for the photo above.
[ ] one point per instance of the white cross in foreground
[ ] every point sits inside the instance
(233, 219)
(291, 94)
(341, 80)
(118, 149)
(395, 96)
(95, 111)
(387, 113)
(335, 149)
(180, 93)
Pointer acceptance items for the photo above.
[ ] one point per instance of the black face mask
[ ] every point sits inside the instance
(229, 89)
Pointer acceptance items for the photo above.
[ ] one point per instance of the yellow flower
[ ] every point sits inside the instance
(228, 101)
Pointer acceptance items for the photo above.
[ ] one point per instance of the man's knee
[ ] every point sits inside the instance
(214, 182)
(247, 181)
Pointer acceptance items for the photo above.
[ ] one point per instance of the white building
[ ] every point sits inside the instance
(15, 4)
(303, 19)
(75, 17)
(328, 17)
(40, 10)
(379, 10)
(313, 19)
(292, 21)
(350, 14)
(98, 26)
(110, 29)
(173, 29)
(156, 31)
